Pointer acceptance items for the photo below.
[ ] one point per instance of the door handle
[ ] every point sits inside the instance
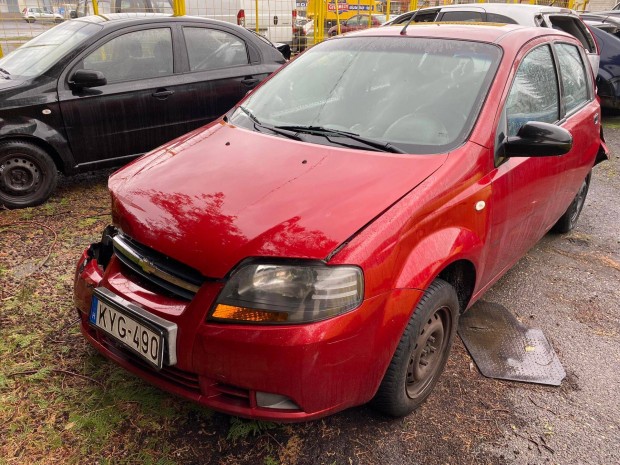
(596, 118)
(250, 81)
(162, 94)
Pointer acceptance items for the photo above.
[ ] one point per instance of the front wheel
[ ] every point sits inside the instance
(28, 175)
(568, 220)
(422, 352)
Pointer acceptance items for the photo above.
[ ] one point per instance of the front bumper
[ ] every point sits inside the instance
(321, 367)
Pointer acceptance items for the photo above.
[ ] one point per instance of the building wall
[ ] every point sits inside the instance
(601, 5)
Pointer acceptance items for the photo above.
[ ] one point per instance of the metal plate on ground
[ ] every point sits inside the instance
(503, 348)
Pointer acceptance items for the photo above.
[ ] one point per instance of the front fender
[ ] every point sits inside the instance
(435, 253)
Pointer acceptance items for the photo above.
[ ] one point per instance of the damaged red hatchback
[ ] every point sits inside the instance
(313, 249)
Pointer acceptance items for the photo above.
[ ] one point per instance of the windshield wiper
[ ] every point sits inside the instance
(323, 131)
(5, 72)
(257, 124)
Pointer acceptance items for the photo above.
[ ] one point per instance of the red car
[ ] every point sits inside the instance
(357, 22)
(312, 249)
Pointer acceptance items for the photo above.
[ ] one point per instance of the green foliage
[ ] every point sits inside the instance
(241, 429)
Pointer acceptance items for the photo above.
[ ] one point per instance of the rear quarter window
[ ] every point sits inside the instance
(476, 16)
(495, 18)
(426, 17)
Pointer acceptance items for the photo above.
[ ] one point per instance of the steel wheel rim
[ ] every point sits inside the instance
(19, 176)
(427, 356)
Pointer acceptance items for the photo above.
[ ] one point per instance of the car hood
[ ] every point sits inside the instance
(221, 194)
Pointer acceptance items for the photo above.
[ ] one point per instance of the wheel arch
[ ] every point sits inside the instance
(461, 275)
(42, 144)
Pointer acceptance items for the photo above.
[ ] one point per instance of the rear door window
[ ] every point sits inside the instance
(574, 82)
(210, 49)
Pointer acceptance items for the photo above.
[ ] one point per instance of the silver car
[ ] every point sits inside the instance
(41, 14)
(526, 15)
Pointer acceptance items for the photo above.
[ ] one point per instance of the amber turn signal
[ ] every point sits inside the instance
(229, 312)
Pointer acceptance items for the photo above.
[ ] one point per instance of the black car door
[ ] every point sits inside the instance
(222, 67)
(136, 110)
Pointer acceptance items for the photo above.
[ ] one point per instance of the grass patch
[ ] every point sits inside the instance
(242, 429)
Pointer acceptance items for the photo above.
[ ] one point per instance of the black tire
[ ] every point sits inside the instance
(28, 175)
(422, 352)
(568, 220)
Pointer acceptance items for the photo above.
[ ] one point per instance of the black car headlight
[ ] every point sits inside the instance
(283, 294)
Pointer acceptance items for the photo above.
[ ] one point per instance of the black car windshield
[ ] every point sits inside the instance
(418, 95)
(39, 54)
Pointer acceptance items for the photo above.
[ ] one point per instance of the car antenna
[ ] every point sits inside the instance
(404, 30)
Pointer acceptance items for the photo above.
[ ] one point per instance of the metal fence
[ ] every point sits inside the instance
(299, 22)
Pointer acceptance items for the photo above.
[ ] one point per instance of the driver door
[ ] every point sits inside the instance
(136, 111)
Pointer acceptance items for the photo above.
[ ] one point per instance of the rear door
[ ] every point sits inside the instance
(221, 68)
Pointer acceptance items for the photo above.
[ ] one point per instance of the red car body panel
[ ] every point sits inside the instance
(223, 194)
(282, 203)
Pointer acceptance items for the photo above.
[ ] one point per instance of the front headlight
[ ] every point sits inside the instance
(273, 293)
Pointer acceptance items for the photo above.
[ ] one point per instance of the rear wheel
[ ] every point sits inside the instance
(28, 175)
(568, 220)
(421, 353)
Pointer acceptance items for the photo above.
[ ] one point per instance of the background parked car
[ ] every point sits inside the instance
(357, 22)
(284, 49)
(527, 15)
(31, 15)
(601, 20)
(100, 90)
(608, 77)
(303, 35)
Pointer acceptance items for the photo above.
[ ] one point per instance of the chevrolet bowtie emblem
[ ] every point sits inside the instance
(146, 266)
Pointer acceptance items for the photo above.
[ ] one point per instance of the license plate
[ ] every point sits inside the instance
(147, 335)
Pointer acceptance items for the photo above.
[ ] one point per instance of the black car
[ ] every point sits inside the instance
(98, 91)
(608, 77)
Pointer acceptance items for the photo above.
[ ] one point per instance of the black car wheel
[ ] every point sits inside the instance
(421, 353)
(568, 220)
(28, 175)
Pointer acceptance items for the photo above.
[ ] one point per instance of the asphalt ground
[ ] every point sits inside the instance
(569, 286)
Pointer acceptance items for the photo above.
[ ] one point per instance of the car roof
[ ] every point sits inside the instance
(509, 8)
(112, 19)
(479, 32)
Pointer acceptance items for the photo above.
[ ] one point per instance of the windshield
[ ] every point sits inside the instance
(39, 54)
(420, 95)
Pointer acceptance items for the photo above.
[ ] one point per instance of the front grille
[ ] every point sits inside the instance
(158, 269)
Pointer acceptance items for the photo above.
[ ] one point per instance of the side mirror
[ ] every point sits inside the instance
(536, 139)
(87, 78)
(73, 14)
